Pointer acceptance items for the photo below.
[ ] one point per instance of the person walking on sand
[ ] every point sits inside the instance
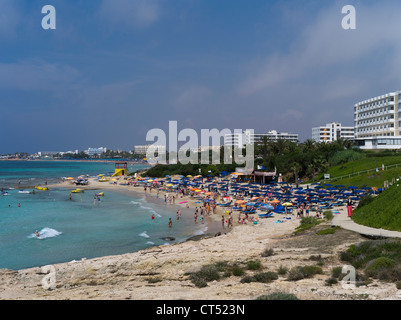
(349, 207)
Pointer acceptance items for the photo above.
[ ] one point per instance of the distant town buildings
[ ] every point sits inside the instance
(376, 122)
(143, 149)
(96, 151)
(332, 132)
(248, 137)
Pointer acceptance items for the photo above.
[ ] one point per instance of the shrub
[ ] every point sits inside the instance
(361, 254)
(203, 276)
(364, 201)
(299, 273)
(310, 271)
(267, 253)
(328, 214)
(398, 285)
(331, 281)
(254, 265)
(336, 272)
(237, 271)
(327, 231)
(278, 296)
(247, 279)
(295, 274)
(307, 223)
(265, 277)
(282, 270)
(378, 265)
(199, 282)
(345, 156)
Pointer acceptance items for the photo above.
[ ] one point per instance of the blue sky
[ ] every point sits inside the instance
(114, 69)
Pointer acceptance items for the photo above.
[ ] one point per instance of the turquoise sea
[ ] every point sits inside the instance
(120, 222)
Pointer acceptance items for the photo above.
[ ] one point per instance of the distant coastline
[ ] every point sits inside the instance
(80, 160)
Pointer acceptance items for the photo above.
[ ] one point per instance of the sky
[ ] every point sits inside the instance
(114, 69)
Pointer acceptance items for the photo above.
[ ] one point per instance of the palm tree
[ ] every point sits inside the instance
(264, 146)
(309, 145)
(296, 168)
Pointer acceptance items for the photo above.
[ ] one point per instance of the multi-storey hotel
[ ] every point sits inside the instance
(376, 122)
(332, 132)
(248, 137)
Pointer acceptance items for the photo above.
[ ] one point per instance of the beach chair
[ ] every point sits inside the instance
(225, 204)
(266, 215)
(327, 206)
(250, 211)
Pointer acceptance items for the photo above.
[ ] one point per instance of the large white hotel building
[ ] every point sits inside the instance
(248, 137)
(376, 122)
(332, 132)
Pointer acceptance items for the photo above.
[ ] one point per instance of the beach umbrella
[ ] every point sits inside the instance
(275, 201)
(352, 187)
(287, 204)
(327, 185)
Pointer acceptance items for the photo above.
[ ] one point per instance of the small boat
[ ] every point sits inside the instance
(77, 191)
(42, 188)
(24, 191)
(100, 194)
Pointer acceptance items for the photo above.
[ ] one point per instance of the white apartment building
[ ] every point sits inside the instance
(248, 137)
(142, 149)
(96, 151)
(376, 121)
(332, 132)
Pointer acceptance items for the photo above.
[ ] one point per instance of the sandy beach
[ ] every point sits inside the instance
(163, 272)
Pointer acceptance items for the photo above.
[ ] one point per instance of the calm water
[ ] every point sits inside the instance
(73, 229)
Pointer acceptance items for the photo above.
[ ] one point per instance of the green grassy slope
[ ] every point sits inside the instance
(383, 212)
(372, 178)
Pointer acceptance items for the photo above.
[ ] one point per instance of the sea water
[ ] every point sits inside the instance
(85, 227)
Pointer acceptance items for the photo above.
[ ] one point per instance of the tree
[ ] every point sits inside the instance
(296, 168)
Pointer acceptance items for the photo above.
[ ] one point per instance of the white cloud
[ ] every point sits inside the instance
(324, 49)
(327, 69)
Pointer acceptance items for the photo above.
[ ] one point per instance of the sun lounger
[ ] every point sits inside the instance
(266, 215)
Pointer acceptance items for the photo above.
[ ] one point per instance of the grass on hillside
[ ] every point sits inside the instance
(372, 178)
(383, 212)
(367, 163)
